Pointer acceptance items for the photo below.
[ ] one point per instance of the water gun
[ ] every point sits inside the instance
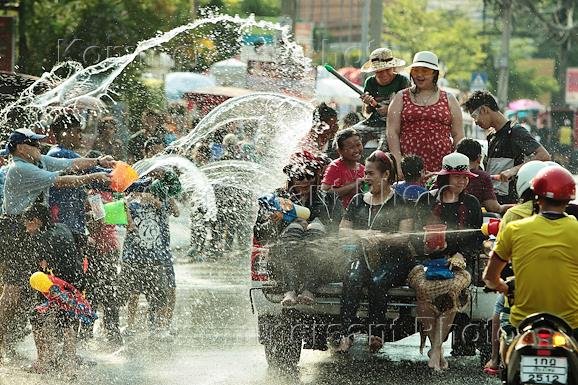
(283, 208)
(491, 228)
(64, 295)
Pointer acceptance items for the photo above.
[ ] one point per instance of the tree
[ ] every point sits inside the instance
(411, 27)
(552, 25)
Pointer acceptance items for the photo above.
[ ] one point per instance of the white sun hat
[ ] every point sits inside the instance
(380, 59)
(425, 59)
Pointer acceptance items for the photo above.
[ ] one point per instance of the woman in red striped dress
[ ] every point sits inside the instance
(424, 120)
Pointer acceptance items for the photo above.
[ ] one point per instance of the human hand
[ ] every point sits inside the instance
(106, 161)
(368, 99)
(502, 287)
(383, 109)
(508, 174)
(400, 175)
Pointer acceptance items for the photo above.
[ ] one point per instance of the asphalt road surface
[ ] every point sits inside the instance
(215, 342)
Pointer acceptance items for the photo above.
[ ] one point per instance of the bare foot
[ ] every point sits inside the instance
(344, 345)
(306, 298)
(443, 362)
(492, 364)
(375, 344)
(290, 299)
(434, 359)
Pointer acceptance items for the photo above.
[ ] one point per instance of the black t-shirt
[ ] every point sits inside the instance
(469, 244)
(56, 245)
(384, 218)
(507, 148)
(385, 93)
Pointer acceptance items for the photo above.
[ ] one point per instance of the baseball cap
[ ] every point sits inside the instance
(19, 136)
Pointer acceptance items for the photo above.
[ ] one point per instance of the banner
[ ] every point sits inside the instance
(572, 86)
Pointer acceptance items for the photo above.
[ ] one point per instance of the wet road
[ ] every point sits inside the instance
(216, 343)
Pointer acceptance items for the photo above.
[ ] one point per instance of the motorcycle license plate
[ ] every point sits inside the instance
(544, 370)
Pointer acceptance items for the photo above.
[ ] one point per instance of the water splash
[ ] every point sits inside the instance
(68, 85)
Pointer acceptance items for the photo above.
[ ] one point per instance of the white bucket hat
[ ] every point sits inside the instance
(425, 59)
(456, 164)
(381, 59)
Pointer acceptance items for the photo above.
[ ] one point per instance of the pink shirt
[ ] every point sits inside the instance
(338, 175)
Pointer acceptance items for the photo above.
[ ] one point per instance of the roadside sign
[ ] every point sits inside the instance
(479, 81)
(572, 86)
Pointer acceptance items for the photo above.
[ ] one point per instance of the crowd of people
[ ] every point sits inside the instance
(425, 173)
(53, 222)
(431, 176)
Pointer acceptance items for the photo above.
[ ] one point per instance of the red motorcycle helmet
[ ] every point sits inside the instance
(555, 183)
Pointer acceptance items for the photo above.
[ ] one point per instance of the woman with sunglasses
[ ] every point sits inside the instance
(384, 260)
(441, 290)
(424, 120)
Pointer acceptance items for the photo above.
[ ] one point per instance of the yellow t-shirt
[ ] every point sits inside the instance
(544, 256)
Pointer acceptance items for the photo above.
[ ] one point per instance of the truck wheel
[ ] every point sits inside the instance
(282, 346)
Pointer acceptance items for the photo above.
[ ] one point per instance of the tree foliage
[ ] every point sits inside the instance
(411, 27)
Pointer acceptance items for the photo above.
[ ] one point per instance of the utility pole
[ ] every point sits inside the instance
(289, 9)
(504, 60)
(365, 29)
(375, 24)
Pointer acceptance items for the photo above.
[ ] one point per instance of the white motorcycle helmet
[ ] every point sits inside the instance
(528, 171)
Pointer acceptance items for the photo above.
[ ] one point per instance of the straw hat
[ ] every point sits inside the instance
(425, 59)
(456, 164)
(381, 59)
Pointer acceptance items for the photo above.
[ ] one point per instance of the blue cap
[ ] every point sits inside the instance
(19, 136)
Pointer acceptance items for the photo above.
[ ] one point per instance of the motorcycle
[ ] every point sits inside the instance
(544, 351)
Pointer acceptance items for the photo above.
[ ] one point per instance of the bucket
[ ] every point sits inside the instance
(435, 236)
(122, 176)
(115, 213)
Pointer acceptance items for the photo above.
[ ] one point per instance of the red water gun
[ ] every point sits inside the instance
(64, 295)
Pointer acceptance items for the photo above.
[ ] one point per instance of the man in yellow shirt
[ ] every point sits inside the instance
(543, 250)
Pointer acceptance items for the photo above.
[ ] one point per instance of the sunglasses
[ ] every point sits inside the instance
(32, 143)
(422, 71)
(476, 112)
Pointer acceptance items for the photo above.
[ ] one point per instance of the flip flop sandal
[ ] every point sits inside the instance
(491, 371)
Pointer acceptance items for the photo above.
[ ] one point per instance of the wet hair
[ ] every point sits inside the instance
(63, 124)
(38, 211)
(94, 154)
(105, 122)
(481, 98)
(412, 167)
(384, 162)
(343, 135)
(350, 119)
(149, 144)
(470, 148)
(324, 113)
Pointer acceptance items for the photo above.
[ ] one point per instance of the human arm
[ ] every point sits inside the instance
(529, 147)
(175, 212)
(457, 130)
(80, 164)
(72, 181)
(342, 191)
(394, 129)
(492, 273)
